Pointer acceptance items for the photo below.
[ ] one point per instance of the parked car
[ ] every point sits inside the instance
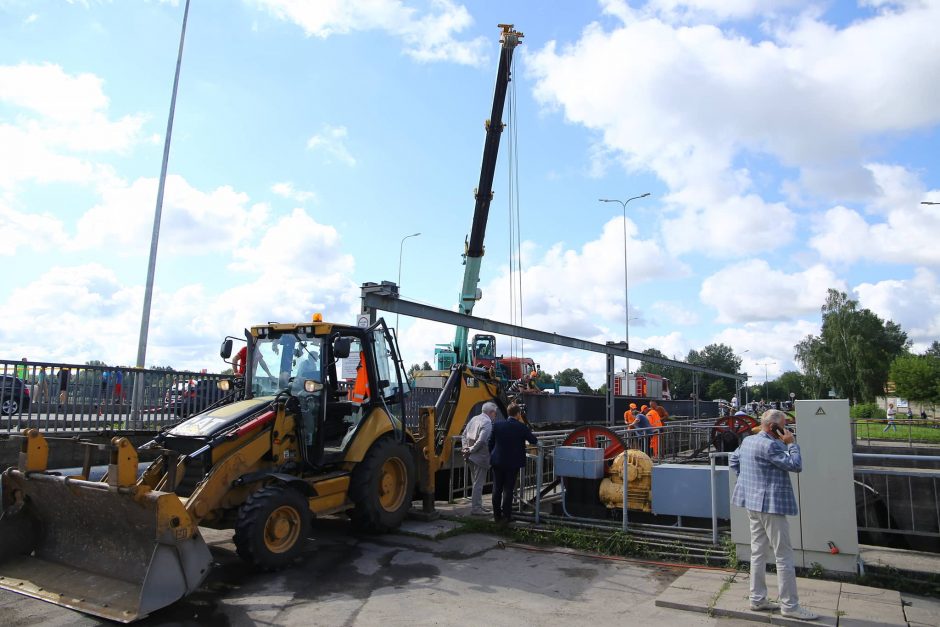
(191, 397)
(14, 395)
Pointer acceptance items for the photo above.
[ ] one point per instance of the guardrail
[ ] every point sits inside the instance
(902, 432)
(909, 492)
(71, 397)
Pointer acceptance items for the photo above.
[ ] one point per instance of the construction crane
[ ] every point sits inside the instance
(470, 293)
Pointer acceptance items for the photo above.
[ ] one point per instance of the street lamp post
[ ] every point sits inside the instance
(401, 251)
(138, 390)
(626, 282)
(765, 364)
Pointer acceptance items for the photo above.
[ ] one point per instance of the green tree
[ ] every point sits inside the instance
(917, 377)
(718, 357)
(789, 382)
(426, 366)
(934, 349)
(680, 380)
(573, 377)
(853, 351)
(95, 362)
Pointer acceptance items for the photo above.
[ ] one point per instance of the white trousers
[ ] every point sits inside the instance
(771, 533)
(478, 478)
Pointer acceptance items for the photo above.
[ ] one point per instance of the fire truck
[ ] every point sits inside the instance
(642, 385)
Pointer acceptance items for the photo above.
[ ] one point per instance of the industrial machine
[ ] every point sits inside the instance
(303, 443)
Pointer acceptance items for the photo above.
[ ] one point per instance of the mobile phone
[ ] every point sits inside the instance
(777, 430)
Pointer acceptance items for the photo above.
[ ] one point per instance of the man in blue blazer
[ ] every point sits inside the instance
(763, 463)
(507, 456)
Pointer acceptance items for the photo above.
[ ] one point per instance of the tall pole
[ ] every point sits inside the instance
(626, 282)
(401, 250)
(765, 364)
(137, 398)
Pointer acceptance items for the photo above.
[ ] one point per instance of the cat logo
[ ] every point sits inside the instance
(820, 411)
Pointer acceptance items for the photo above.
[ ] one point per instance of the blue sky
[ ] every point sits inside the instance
(786, 146)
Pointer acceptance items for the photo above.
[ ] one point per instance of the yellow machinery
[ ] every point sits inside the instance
(300, 444)
(639, 477)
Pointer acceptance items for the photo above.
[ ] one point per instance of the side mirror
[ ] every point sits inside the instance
(341, 347)
(225, 351)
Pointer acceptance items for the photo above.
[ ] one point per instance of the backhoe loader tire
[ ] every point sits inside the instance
(272, 526)
(382, 486)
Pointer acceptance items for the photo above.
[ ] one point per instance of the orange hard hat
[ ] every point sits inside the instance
(632, 405)
(644, 408)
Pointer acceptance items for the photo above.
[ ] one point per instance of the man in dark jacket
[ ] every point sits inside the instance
(507, 456)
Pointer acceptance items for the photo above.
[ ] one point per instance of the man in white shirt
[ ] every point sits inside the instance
(474, 444)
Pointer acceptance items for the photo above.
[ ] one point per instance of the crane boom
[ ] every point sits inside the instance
(473, 254)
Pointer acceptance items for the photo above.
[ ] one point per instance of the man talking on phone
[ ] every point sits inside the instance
(762, 464)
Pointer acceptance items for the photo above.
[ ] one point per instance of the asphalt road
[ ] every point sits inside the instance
(405, 580)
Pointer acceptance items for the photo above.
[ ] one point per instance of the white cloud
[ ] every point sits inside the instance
(296, 269)
(286, 189)
(752, 291)
(193, 221)
(912, 303)
(54, 123)
(331, 140)
(906, 233)
(767, 345)
(428, 36)
(40, 231)
(693, 103)
(675, 312)
(594, 273)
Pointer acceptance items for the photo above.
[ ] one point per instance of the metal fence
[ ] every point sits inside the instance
(72, 397)
(897, 432)
(900, 502)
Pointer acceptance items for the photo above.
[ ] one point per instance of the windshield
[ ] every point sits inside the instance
(285, 362)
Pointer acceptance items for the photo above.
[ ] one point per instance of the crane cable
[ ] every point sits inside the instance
(515, 228)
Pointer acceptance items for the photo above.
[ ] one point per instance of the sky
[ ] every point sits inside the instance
(786, 146)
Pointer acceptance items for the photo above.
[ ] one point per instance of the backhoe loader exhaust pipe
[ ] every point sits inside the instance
(109, 549)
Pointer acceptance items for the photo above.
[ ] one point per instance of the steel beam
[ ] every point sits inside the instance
(384, 297)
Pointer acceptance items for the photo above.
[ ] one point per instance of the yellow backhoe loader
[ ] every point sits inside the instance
(319, 431)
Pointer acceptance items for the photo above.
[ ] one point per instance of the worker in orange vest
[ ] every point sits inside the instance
(656, 422)
(628, 416)
(360, 392)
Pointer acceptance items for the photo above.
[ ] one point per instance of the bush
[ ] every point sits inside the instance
(867, 411)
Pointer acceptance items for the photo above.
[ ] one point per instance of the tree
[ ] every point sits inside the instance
(853, 352)
(718, 357)
(917, 377)
(789, 382)
(573, 377)
(934, 349)
(95, 362)
(426, 366)
(646, 366)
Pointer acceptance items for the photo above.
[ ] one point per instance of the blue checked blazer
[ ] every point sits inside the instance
(762, 464)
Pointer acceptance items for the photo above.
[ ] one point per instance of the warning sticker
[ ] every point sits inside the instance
(820, 411)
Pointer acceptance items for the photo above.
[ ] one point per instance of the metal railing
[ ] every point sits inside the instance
(72, 397)
(901, 432)
(537, 482)
(907, 493)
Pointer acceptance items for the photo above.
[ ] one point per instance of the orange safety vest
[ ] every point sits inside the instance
(655, 421)
(360, 391)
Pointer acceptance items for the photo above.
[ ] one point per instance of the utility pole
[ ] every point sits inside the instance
(765, 364)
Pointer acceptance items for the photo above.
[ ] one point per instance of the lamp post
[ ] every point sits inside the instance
(626, 282)
(401, 251)
(138, 391)
(765, 364)
(745, 351)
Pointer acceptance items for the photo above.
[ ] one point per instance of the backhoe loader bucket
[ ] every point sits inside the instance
(115, 552)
